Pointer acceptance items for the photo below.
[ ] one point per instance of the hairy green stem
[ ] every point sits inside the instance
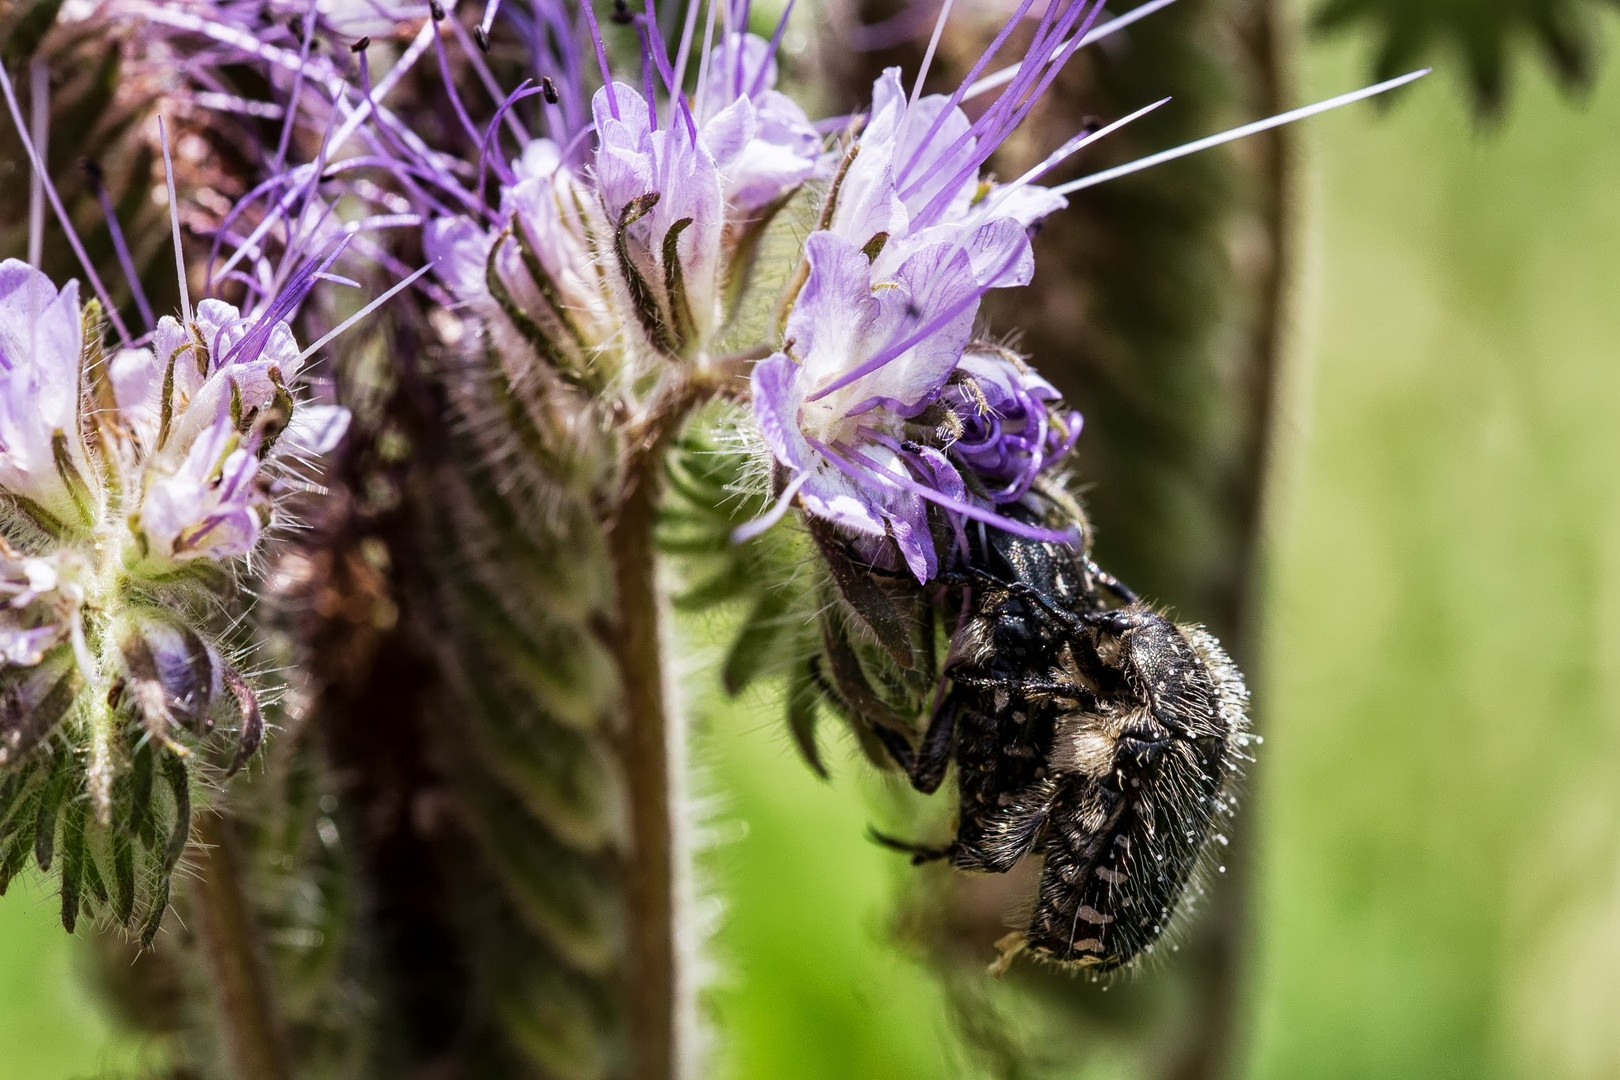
(235, 959)
(644, 750)
(648, 741)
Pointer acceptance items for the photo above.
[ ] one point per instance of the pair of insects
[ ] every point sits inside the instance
(1086, 729)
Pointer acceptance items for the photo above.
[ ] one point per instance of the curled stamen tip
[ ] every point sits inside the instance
(548, 90)
(481, 37)
(360, 45)
(436, 10)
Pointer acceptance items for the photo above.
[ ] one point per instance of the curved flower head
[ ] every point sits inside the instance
(41, 360)
(1009, 427)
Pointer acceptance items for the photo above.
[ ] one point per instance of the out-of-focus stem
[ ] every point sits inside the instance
(647, 743)
(236, 963)
(1212, 1046)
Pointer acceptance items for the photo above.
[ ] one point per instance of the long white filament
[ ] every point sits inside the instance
(928, 57)
(39, 106)
(174, 223)
(1095, 34)
(1236, 133)
(1073, 146)
(343, 326)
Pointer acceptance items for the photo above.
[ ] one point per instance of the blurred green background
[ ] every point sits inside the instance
(1438, 803)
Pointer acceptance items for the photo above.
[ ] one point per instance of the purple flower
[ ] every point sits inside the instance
(41, 345)
(547, 265)
(906, 182)
(861, 358)
(208, 506)
(221, 359)
(762, 143)
(661, 192)
(40, 597)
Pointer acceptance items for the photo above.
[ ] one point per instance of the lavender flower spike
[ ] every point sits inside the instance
(41, 345)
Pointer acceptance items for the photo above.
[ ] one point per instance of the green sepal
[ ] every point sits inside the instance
(174, 771)
(94, 883)
(865, 598)
(851, 686)
(680, 308)
(803, 716)
(14, 860)
(141, 824)
(123, 858)
(77, 488)
(544, 283)
(41, 518)
(73, 856)
(727, 583)
(641, 294)
(50, 805)
(531, 331)
(26, 719)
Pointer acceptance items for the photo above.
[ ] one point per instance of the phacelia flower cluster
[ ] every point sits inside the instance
(618, 253)
(136, 486)
(622, 250)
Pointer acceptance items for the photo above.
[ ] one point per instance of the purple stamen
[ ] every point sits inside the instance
(60, 211)
(648, 89)
(601, 57)
(956, 98)
(758, 84)
(92, 171)
(39, 104)
(897, 349)
(307, 39)
(491, 136)
(683, 51)
(996, 137)
(481, 69)
(450, 83)
(1007, 101)
(864, 468)
(746, 532)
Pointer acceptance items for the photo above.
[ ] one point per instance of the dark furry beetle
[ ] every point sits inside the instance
(1087, 728)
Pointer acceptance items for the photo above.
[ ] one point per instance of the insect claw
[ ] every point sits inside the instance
(919, 853)
(1008, 946)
